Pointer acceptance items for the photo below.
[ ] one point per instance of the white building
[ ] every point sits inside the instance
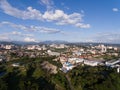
(31, 47)
(75, 60)
(93, 51)
(109, 47)
(115, 48)
(118, 70)
(1, 59)
(8, 46)
(82, 50)
(79, 60)
(58, 46)
(15, 64)
(63, 46)
(112, 62)
(39, 48)
(53, 53)
(53, 45)
(103, 48)
(43, 47)
(77, 53)
(68, 66)
(91, 63)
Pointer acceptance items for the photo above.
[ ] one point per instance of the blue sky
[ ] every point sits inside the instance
(74, 21)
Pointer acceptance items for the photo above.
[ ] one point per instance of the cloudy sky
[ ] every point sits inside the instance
(69, 20)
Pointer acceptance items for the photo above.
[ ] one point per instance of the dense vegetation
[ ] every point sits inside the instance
(95, 78)
(31, 76)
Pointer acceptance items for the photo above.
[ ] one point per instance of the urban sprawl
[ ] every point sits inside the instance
(68, 55)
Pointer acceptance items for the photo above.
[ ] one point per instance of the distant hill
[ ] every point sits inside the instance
(56, 42)
(16, 42)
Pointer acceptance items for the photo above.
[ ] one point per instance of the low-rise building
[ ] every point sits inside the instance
(8, 46)
(68, 66)
(53, 53)
(75, 60)
(112, 62)
(91, 63)
(15, 64)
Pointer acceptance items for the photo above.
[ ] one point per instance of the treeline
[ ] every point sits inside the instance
(94, 78)
(33, 77)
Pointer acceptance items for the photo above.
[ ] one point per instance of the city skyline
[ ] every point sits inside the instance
(68, 20)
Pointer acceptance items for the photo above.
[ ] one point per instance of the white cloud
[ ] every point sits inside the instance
(56, 16)
(3, 37)
(30, 28)
(17, 35)
(63, 5)
(30, 13)
(28, 39)
(21, 34)
(107, 37)
(115, 9)
(83, 25)
(48, 3)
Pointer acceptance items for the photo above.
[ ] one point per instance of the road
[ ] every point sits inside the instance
(69, 82)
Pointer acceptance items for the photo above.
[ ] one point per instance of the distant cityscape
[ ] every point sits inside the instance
(69, 55)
